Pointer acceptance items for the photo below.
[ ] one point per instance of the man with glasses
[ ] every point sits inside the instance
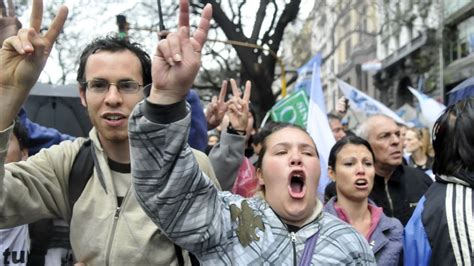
(107, 226)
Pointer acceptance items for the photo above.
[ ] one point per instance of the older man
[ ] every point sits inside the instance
(397, 188)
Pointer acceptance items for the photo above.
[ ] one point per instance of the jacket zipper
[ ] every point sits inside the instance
(109, 245)
(114, 226)
(390, 202)
(293, 241)
(293, 235)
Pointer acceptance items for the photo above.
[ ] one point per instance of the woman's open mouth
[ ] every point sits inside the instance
(297, 187)
(362, 183)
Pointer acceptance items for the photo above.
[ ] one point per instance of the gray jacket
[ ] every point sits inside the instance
(387, 239)
(218, 227)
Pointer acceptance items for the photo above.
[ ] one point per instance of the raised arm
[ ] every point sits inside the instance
(177, 58)
(167, 181)
(22, 59)
(227, 155)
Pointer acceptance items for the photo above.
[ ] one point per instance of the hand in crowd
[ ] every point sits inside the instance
(238, 107)
(177, 58)
(216, 109)
(22, 59)
(9, 26)
(342, 106)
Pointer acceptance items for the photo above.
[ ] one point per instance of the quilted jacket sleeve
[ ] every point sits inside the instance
(167, 180)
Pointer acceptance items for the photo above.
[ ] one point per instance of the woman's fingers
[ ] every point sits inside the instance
(223, 91)
(36, 15)
(183, 19)
(247, 91)
(200, 35)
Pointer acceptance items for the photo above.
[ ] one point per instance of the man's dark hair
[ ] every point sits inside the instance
(21, 134)
(332, 116)
(113, 43)
(453, 139)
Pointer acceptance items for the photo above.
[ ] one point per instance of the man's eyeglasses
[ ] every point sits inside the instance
(102, 86)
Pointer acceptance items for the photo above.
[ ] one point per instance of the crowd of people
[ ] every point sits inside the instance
(150, 187)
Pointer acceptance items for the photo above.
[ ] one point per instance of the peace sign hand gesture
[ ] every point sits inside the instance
(178, 58)
(238, 107)
(22, 59)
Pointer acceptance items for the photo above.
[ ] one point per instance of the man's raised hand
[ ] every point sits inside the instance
(22, 59)
(24, 56)
(177, 58)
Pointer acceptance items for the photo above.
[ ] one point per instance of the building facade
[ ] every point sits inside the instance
(409, 48)
(458, 49)
(345, 33)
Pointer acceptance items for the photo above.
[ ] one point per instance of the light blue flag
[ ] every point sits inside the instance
(430, 108)
(366, 104)
(306, 79)
(318, 125)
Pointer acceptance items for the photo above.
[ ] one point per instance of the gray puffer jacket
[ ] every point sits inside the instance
(218, 227)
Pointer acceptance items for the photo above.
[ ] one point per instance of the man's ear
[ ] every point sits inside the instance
(82, 94)
(331, 174)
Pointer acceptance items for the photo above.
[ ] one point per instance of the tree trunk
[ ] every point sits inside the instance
(257, 67)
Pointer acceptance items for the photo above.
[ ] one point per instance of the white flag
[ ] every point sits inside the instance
(430, 108)
(318, 125)
(366, 104)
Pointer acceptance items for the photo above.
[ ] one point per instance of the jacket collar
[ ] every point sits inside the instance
(98, 151)
(462, 177)
(308, 229)
(378, 239)
(395, 178)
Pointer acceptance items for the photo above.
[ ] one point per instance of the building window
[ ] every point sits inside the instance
(463, 49)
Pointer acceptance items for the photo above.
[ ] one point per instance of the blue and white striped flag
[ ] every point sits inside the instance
(366, 104)
(318, 125)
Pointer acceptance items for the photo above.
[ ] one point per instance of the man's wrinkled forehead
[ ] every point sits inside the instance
(381, 124)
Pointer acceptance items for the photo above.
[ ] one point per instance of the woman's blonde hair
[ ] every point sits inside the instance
(423, 135)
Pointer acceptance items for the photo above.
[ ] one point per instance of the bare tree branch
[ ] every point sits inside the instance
(260, 16)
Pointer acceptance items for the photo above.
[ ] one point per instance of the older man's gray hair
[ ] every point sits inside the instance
(363, 130)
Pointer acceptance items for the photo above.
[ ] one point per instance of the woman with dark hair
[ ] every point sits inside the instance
(283, 225)
(440, 232)
(351, 166)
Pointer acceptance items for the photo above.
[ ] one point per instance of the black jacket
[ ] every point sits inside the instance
(399, 196)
